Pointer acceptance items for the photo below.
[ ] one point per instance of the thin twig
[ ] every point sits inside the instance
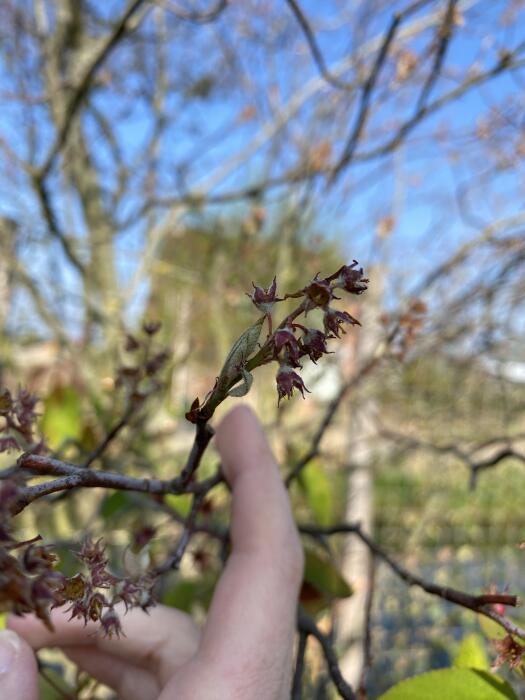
(203, 434)
(478, 603)
(308, 626)
(120, 28)
(297, 685)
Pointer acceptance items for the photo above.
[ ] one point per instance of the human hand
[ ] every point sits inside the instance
(245, 648)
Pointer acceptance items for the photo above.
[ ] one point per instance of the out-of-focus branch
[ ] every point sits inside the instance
(364, 104)
(308, 626)
(315, 50)
(481, 604)
(297, 684)
(335, 404)
(445, 34)
(469, 457)
(120, 28)
(194, 15)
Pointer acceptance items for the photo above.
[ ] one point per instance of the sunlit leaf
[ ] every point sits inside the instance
(62, 416)
(186, 593)
(322, 582)
(453, 683)
(472, 653)
(490, 628)
(115, 504)
(318, 492)
(180, 504)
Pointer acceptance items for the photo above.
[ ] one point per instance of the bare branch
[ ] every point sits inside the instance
(194, 15)
(83, 87)
(315, 50)
(308, 626)
(478, 603)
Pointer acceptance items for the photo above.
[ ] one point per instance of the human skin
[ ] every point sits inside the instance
(244, 649)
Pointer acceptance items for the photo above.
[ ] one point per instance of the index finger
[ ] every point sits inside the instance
(251, 621)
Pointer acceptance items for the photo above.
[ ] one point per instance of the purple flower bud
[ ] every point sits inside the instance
(333, 321)
(351, 280)
(264, 299)
(284, 339)
(287, 381)
(314, 343)
(319, 292)
(111, 623)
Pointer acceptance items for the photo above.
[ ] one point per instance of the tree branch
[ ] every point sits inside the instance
(478, 603)
(308, 626)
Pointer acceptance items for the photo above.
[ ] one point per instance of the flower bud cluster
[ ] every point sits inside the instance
(288, 344)
(93, 595)
(29, 582)
(292, 341)
(17, 421)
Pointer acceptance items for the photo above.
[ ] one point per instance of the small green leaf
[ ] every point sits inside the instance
(491, 629)
(180, 504)
(62, 416)
(115, 504)
(472, 654)
(186, 593)
(3, 621)
(318, 492)
(242, 389)
(453, 683)
(240, 352)
(321, 573)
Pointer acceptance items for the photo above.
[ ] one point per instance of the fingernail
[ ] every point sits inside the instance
(9, 646)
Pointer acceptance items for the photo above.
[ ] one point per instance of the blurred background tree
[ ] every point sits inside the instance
(159, 156)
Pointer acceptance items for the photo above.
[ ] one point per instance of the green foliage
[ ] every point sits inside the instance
(453, 683)
(62, 416)
(323, 582)
(472, 653)
(116, 504)
(180, 504)
(318, 492)
(185, 594)
(491, 629)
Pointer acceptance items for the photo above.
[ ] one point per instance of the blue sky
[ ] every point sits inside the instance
(418, 185)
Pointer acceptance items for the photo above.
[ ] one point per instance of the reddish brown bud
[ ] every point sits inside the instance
(314, 343)
(284, 339)
(287, 381)
(193, 413)
(319, 292)
(351, 280)
(333, 321)
(264, 299)
(110, 622)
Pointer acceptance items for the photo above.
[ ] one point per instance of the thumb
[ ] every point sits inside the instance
(18, 668)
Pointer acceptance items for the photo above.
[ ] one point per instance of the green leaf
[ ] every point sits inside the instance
(180, 504)
(53, 686)
(115, 504)
(491, 629)
(453, 683)
(240, 352)
(318, 492)
(3, 621)
(472, 654)
(321, 573)
(244, 388)
(62, 416)
(186, 593)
